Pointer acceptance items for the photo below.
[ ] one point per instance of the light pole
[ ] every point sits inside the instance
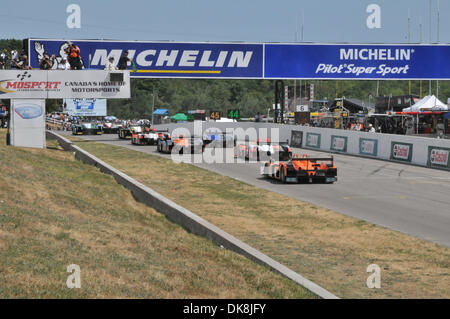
(437, 81)
(429, 14)
(153, 104)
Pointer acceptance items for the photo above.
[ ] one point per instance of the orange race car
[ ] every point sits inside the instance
(179, 144)
(301, 170)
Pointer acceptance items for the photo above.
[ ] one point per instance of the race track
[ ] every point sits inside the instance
(410, 199)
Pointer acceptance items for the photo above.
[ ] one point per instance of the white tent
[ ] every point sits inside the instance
(428, 103)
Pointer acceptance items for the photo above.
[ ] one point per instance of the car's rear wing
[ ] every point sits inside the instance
(216, 132)
(187, 137)
(313, 159)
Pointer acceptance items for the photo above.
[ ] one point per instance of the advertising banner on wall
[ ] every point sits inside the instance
(401, 151)
(368, 146)
(338, 143)
(86, 107)
(163, 59)
(263, 60)
(42, 84)
(312, 140)
(438, 157)
(28, 123)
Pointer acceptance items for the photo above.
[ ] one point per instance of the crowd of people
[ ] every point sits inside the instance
(71, 60)
(14, 60)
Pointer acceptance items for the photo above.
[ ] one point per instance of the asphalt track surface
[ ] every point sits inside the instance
(410, 199)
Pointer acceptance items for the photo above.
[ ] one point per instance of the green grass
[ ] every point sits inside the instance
(329, 248)
(56, 211)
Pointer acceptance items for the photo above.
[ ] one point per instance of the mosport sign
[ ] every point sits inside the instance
(260, 61)
(40, 84)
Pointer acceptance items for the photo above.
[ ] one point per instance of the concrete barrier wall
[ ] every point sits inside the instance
(187, 219)
(423, 151)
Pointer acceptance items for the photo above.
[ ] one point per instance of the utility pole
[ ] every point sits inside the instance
(438, 13)
(409, 25)
(303, 18)
(420, 29)
(153, 104)
(429, 17)
(437, 89)
(295, 80)
(409, 41)
(437, 81)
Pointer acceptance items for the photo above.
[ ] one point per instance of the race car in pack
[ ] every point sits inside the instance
(303, 169)
(190, 145)
(179, 144)
(125, 132)
(137, 135)
(110, 128)
(258, 150)
(216, 138)
(87, 129)
(164, 143)
(149, 136)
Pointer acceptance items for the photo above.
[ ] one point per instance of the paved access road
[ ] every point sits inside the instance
(410, 199)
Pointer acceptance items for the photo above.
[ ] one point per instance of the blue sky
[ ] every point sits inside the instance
(226, 20)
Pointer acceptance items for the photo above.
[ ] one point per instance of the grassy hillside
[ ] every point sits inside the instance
(56, 211)
(329, 248)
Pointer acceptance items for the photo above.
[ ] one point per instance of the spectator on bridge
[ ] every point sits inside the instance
(23, 63)
(110, 65)
(14, 59)
(74, 56)
(123, 61)
(46, 63)
(63, 65)
(3, 59)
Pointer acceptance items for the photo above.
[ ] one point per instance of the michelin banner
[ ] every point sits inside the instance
(345, 61)
(42, 84)
(28, 123)
(86, 107)
(162, 59)
(250, 60)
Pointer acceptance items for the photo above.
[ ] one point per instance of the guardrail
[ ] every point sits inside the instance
(188, 220)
